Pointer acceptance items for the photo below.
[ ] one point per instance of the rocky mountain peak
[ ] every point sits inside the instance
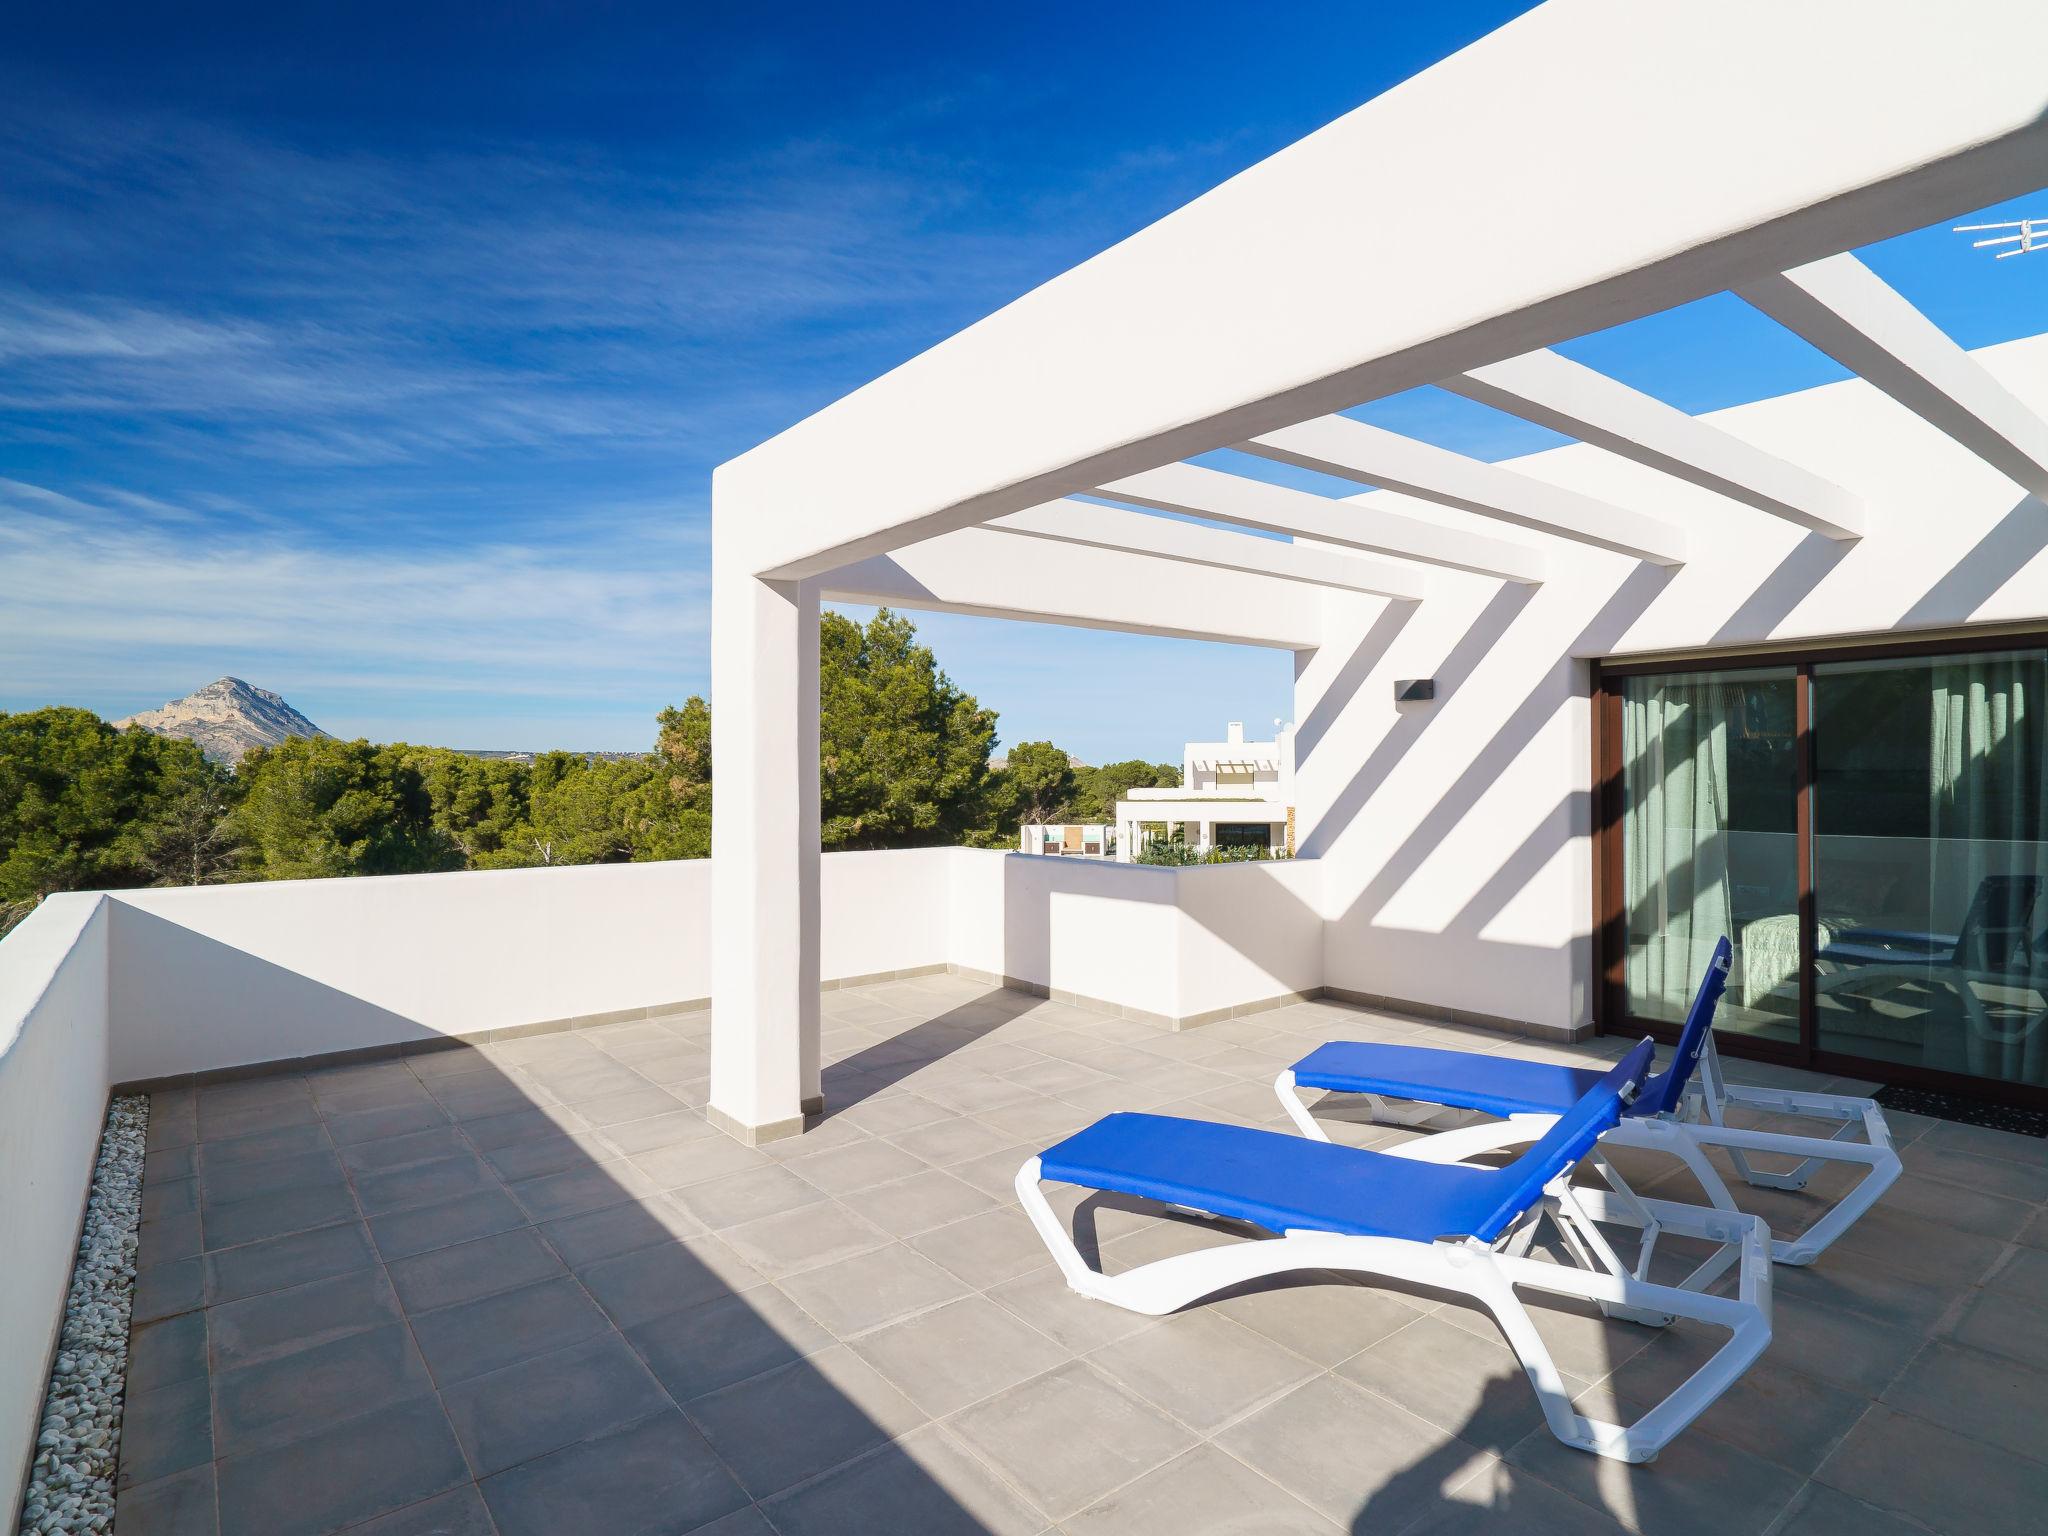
(226, 718)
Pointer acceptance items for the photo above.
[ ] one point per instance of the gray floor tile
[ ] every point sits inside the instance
(1983, 1396)
(403, 1151)
(1468, 1386)
(964, 1351)
(1945, 1480)
(182, 1504)
(1069, 1437)
(506, 1327)
(283, 1322)
(385, 1121)
(495, 1131)
(1239, 1370)
(431, 1183)
(275, 1215)
(172, 1350)
(1819, 1510)
(1697, 1484)
(1498, 1500)
(2001, 1323)
(985, 1249)
(1203, 1491)
(540, 1405)
(684, 1272)
(588, 1188)
(1079, 1323)
(805, 1238)
(633, 1103)
(166, 1429)
(282, 1262)
(863, 1164)
(732, 1198)
(401, 1234)
(672, 1129)
(291, 1396)
(360, 1469)
(467, 1271)
(651, 1476)
(947, 1142)
(924, 1482)
(1343, 1451)
(780, 1429)
(617, 1229)
(2023, 1274)
(925, 1200)
(872, 1289)
(1581, 1341)
(459, 1512)
(225, 1183)
(1782, 1415)
(1323, 1318)
(711, 1346)
(176, 1236)
(557, 1152)
(164, 1290)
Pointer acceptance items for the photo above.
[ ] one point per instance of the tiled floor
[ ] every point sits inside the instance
(527, 1289)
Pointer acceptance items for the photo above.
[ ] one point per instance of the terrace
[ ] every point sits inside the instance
(678, 1196)
(528, 1287)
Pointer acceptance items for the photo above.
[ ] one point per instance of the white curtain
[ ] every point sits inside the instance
(1986, 796)
(1674, 735)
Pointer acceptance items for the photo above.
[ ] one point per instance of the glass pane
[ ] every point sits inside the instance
(1928, 862)
(1709, 844)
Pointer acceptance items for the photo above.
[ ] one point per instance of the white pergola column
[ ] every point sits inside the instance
(764, 855)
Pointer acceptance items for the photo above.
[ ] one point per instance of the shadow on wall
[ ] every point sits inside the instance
(2016, 538)
(180, 1001)
(1456, 668)
(516, 1299)
(1032, 885)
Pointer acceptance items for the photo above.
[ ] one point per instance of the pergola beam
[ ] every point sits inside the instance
(990, 573)
(1357, 450)
(1348, 266)
(1113, 528)
(1866, 325)
(1209, 493)
(1553, 391)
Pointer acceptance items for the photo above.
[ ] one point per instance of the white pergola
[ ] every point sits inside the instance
(1591, 163)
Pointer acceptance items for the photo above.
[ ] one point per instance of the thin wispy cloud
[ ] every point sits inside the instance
(392, 377)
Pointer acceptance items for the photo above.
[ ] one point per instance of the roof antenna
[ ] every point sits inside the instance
(2028, 235)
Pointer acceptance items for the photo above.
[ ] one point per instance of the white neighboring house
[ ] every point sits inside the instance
(1232, 793)
(1084, 839)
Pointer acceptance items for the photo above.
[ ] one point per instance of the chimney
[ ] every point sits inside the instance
(1237, 733)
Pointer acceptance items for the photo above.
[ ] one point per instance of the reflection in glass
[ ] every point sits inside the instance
(1709, 825)
(1929, 783)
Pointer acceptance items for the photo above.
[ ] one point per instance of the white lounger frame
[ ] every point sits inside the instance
(1492, 1274)
(1699, 1123)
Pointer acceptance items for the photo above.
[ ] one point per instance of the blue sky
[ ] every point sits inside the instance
(381, 355)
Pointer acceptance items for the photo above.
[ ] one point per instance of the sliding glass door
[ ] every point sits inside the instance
(1928, 864)
(1709, 844)
(1867, 831)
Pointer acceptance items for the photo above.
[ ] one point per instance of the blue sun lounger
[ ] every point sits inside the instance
(1680, 1111)
(1407, 1216)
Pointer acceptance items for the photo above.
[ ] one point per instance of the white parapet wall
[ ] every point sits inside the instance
(97, 990)
(53, 1100)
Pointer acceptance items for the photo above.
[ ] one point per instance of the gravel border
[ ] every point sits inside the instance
(71, 1482)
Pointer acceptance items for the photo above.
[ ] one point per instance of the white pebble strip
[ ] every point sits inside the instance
(71, 1482)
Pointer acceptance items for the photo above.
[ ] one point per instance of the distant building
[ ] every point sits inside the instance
(1084, 839)
(1233, 793)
